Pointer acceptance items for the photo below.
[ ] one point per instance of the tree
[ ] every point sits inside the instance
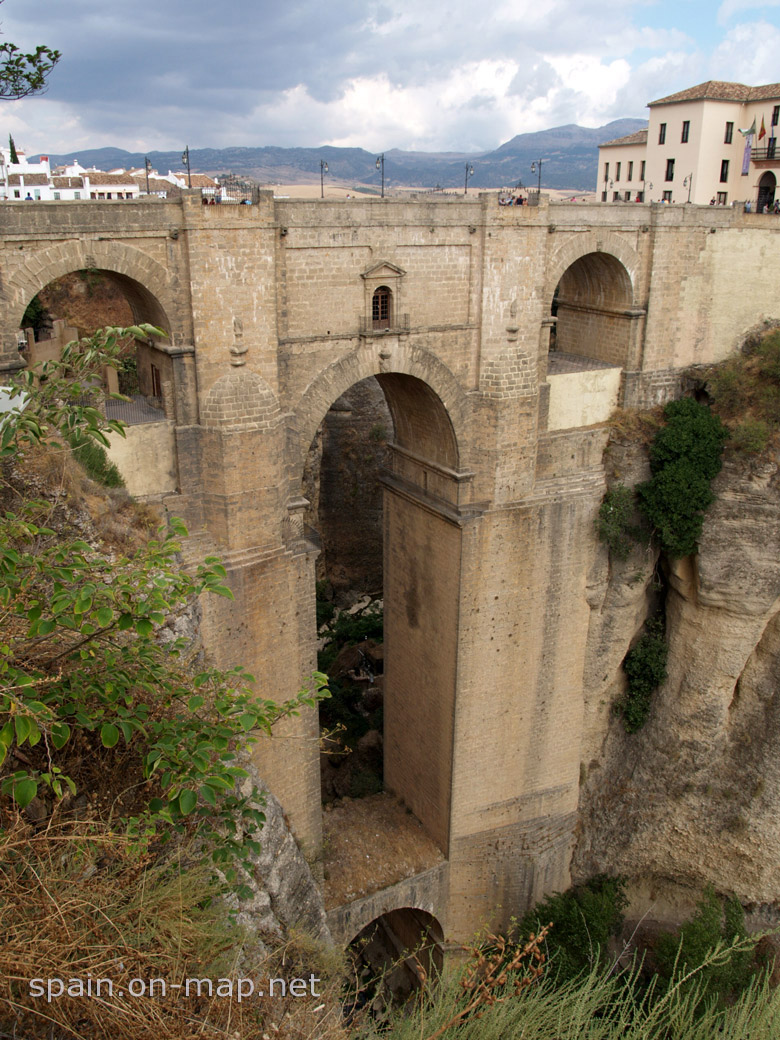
(14, 158)
(24, 74)
(84, 672)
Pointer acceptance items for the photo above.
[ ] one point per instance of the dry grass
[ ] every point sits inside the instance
(636, 426)
(75, 905)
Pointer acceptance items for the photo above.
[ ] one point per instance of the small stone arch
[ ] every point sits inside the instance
(438, 387)
(606, 242)
(592, 302)
(404, 948)
(145, 282)
(240, 400)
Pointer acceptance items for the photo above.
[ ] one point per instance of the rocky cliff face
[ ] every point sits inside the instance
(693, 797)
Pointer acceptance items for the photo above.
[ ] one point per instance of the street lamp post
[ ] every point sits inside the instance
(380, 165)
(534, 165)
(645, 188)
(688, 183)
(185, 158)
(469, 173)
(323, 171)
(148, 166)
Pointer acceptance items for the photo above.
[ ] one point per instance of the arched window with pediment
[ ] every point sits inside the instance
(382, 308)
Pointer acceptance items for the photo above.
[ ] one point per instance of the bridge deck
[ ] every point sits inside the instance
(559, 363)
(370, 844)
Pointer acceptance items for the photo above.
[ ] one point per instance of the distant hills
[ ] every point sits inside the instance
(569, 155)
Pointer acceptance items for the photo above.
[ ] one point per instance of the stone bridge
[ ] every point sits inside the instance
(272, 311)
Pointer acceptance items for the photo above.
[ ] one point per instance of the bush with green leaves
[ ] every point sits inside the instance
(82, 664)
(685, 457)
(583, 920)
(645, 666)
(615, 521)
(716, 923)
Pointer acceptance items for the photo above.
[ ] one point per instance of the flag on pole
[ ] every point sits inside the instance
(750, 130)
(762, 131)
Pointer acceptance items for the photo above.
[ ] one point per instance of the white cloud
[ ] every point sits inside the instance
(371, 73)
(729, 8)
(748, 54)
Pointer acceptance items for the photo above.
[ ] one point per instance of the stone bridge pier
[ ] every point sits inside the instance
(502, 338)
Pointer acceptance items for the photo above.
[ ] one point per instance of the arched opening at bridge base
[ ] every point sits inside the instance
(421, 539)
(394, 956)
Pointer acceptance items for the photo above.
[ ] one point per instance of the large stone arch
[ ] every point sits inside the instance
(422, 533)
(146, 283)
(330, 384)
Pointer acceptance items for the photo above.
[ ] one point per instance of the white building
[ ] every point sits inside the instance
(22, 179)
(35, 182)
(715, 142)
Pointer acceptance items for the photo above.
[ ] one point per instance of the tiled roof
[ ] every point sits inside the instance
(29, 178)
(67, 182)
(199, 180)
(639, 137)
(97, 177)
(718, 90)
(156, 184)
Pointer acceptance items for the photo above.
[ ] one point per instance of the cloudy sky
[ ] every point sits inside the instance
(379, 74)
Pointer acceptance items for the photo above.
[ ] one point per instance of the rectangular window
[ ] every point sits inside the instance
(642, 171)
(630, 171)
(37, 195)
(776, 115)
(76, 194)
(627, 196)
(686, 129)
(640, 196)
(17, 194)
(729, 135)
(603, 196)
(722, 196)
(771, 148)
(606, 171)
(156, 382)
(724, 171)
(617, 171)
(669, 170)
(56, 196)
(662, 133)
(667, 196)
(615, 196)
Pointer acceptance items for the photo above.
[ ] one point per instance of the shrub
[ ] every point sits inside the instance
(684, 457)
(751, 436)
(645, 666)
(715, 922)
(583, 920)
(614, 521)
(95, 461)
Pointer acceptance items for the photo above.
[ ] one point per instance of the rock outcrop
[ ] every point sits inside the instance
(693, 797)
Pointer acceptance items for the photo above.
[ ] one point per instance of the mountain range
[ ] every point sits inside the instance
(569, 157)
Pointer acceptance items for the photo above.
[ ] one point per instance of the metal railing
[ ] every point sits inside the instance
(761, 153)
(369, 327)
(137, 410)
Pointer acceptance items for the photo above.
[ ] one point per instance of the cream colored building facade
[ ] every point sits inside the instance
(695, 149)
